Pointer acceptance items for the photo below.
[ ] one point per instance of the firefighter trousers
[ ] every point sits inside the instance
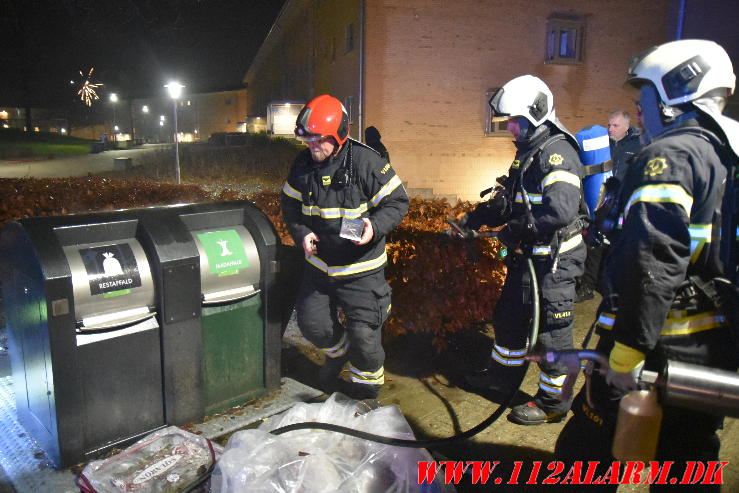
(365, 304)
(512, 321)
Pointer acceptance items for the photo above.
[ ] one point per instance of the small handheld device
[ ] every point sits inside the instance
(351, 229)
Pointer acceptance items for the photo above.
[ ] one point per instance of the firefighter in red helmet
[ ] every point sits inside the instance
(339, 201)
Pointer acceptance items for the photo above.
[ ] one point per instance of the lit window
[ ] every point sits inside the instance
(3, 115)
(564, 40)
(494, 127)
(36, 129)
(349, 38)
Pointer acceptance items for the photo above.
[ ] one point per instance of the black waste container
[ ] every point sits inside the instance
(88, 319)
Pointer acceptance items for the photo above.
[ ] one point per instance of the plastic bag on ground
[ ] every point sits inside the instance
(167, 461)
(304, 461)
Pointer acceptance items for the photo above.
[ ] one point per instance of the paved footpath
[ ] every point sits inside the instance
(74, 166)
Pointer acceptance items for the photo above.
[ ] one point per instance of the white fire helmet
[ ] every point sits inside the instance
(689, 70)
(525, 96)
(683, 70)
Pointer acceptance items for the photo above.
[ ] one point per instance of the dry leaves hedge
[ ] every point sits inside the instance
(437, 289)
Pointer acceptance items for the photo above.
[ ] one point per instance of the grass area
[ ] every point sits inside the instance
(16, 144)
(261, 161)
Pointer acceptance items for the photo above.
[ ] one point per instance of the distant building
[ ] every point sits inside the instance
(199, 115)
(422, 71)
(42, 119)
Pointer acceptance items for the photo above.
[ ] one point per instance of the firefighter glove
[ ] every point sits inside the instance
(625, 366)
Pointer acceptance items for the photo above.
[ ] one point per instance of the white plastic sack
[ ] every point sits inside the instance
(166, 461)
(308, 461)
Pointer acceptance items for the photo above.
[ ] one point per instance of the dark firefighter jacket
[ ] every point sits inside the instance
(552, 181)
(316, 196)
(671, 215)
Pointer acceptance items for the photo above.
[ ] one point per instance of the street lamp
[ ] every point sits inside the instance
(114, 100)
(175, 91)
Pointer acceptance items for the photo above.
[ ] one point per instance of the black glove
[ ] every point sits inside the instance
(494, 212)
(516, 233)
(611, 185)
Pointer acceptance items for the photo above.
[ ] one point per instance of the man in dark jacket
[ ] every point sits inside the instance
(540, 207)
(625, 143)
(340, 200)
(624, 140)
(672, 223)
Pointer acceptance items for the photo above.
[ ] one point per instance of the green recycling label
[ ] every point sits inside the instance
(225, 252)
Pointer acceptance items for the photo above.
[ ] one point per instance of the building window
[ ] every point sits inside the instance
(494, 127)
(227, 101)
(349, 105)
(349, 38)
(333, 49)
(564, 40)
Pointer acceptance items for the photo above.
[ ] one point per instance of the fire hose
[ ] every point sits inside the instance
(436, 442)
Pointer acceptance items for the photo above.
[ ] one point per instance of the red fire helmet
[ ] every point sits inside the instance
(323, 116)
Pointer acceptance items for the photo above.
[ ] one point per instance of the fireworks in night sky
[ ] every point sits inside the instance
(87, 92)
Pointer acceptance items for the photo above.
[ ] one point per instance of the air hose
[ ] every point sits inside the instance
(436, 442)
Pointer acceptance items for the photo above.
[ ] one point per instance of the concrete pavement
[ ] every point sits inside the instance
(76, 165)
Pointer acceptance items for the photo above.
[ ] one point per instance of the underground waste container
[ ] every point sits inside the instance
(241, 306)
(84, 339)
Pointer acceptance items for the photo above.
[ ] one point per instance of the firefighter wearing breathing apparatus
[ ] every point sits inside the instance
(672, 209)
(340, 200)
(540, 205)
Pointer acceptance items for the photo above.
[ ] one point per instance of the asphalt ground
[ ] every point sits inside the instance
(428, 388)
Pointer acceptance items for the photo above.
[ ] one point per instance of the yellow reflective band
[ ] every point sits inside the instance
(508, 357)
(677, 323)
(334, 212)
(662, 193)
(550, 390)
(605, 321)
(560, 176)
(693, 324)
(345, 270)
(291, 192)
(386, 190)
(624, 358)
(700, 234)
(367, 377)
(556, 381)
(339, 349)
(565, 247)
(551, 385)
(509, 352)
(534, 198)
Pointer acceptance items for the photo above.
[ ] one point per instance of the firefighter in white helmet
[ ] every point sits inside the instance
(541, 208)
(658, 303)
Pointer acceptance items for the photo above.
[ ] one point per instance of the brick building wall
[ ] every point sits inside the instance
(429, 64)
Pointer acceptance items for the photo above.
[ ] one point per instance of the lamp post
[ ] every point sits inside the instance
(175, 91)
(113, 101)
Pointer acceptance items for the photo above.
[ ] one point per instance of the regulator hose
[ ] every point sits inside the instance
(436, 442)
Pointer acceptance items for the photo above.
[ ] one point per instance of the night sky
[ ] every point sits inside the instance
(135, 46)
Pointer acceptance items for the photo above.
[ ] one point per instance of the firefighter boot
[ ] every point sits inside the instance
(360, 391)
(328, 374)
(530, 414)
